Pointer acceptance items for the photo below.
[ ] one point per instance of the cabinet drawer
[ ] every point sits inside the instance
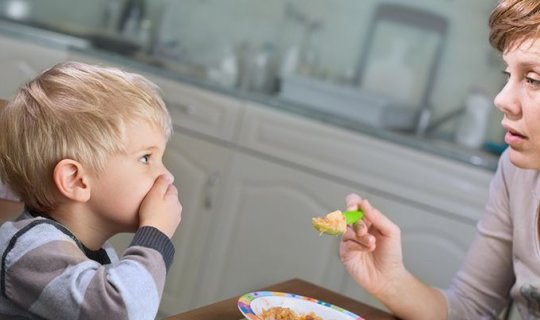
(200, 110)
(386, 168)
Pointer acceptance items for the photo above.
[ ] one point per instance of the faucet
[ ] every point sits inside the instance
(424, 124)
(131, 17)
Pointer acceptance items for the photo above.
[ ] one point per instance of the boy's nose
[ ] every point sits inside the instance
(166, 171)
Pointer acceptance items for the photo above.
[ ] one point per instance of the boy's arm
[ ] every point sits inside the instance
(46, 273)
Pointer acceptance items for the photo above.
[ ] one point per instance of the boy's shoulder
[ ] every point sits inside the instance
(28, 231)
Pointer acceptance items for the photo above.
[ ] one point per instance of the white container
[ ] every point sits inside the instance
(471, 131)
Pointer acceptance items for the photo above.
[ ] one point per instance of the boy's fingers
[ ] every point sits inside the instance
(162, 185)
(172, 192)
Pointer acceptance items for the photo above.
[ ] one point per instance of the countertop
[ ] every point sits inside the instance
(446, 149)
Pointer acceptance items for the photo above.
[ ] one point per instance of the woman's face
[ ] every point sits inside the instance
(519, 101)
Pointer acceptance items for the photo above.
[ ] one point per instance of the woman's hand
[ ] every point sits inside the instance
(371, 249)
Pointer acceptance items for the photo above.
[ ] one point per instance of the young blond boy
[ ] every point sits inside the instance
(82, 147)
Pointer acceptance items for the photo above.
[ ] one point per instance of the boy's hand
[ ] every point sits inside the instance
(161, 207)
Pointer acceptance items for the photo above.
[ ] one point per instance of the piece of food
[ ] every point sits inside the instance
(335, 223)
(281, 313)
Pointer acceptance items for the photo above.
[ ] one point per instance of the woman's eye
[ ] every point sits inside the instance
(532, 81)
(145, 159)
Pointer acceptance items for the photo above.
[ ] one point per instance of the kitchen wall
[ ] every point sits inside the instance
(206, 31)
(210, 27)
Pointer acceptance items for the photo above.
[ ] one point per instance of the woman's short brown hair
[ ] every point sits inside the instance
(512, 22)
(71, 111)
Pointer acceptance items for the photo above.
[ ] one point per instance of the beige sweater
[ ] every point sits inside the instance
(504, 259)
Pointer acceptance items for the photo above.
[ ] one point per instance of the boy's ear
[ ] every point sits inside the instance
(71, 180)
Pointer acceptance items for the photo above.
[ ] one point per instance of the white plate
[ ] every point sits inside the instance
(254, 303)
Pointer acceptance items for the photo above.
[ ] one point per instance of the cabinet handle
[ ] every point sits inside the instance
(184, 108)
(210, 187)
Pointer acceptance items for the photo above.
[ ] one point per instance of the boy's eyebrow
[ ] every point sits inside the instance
(138, 149)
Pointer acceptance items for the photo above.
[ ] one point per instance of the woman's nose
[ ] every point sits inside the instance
(508, 100)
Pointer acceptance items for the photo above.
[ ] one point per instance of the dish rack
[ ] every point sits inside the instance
(349, 102)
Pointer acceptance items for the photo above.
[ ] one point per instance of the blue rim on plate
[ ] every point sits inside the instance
(244, 303)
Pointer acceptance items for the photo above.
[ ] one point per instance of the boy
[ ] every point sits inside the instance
(81, 146)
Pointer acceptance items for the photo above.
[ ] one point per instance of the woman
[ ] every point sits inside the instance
(503, 262)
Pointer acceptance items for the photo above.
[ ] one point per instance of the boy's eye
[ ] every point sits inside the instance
(145, 159)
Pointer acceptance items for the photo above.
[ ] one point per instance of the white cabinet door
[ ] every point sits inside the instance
(20, 61)
(263, 233)
(198, 168)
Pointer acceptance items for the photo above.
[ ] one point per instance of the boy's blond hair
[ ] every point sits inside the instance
(512, 22)
(71, 111)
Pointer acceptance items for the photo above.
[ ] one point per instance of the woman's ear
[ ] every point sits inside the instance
(71, 180)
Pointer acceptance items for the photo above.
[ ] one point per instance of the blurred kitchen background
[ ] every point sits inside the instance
(420, 61)
(283, 107)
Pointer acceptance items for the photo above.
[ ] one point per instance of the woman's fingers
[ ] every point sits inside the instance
(363, 241)
(363, 234)
(353, 201)
(375, 219)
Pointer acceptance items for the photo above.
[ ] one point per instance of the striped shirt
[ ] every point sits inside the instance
(47, 273)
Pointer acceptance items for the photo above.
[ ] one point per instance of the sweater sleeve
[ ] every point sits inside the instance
(480, 290)
(45, 272)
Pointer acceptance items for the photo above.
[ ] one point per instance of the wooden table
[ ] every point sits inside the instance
(227, 309)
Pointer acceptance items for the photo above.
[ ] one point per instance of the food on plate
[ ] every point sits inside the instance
(333, 223)
(281, 313)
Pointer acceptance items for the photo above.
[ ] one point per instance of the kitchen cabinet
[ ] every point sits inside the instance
(288, 169)
(21, 61)
(198, 167)
(263, 231)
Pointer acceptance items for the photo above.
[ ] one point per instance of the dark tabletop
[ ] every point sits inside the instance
(227, 309)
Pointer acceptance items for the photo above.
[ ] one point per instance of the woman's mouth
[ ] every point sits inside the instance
(513, 137)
